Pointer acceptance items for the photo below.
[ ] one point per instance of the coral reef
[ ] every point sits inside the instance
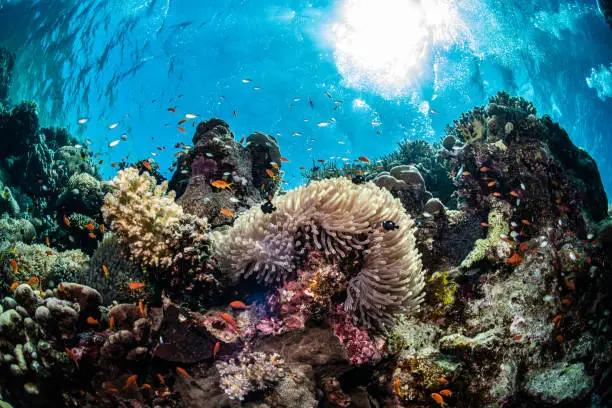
(173, 246)
(49, 266)
(110, 273)
(474, 272)
(216, 156)
(339, 218)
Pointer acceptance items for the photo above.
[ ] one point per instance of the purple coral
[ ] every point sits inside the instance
(202, 166)
(360, 347)
(249, 372)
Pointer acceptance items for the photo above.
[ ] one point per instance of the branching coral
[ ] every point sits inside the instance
(251, 372)
(339, 218)
(143, 214)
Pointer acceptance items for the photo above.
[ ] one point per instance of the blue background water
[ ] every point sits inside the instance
(127, 61)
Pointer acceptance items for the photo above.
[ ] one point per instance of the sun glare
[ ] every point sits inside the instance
(383, 43)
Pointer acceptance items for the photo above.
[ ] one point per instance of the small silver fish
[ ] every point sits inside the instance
(114, 143)
(82, 121)
(114, 125)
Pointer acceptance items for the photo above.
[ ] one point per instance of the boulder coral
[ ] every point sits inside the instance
(339, 218)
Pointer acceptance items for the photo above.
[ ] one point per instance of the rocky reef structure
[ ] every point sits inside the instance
(252, 172)
(172, 245)
(46, 178)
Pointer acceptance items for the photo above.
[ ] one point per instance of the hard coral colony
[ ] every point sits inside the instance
(474, 272)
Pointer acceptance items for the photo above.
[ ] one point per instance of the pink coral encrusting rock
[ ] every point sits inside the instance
(361, 348)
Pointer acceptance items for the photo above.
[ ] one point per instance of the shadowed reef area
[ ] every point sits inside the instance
(473, 272)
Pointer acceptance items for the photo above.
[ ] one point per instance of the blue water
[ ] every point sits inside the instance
(128, 61)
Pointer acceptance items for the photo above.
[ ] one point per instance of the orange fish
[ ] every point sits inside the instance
(92, 235)
(171, 110)
(270, 173)
(14, 286)
(105, 270)
(484, 224)
(229, 320)
(378, 167)
(161, 379)
(145, 386)
(284, 159)
(236, 304)
(141, 307)
(216, 349)
(66, 221)
(514, 194)
(72, 356)
(182, 372)
(14, 266)
(241, 140)
(557, 319)
(147, 165)
(559, 338)
(47, 241)
(33, 281)
(363, 159)
(227, 212)
(276, 166)
(137, 285)
(496, 194)
(180, 122)
(442, 380)
(569, 283)
(89, 226)
(446, 393)
(517, 337)
(484, 169)
(491, 183)
(321, 161)
(438, 398)
(566, 301)
(466, 173)
(220, 184)
(102, 228)
(92, 321)
(130, 381)
(396, 387)
(523, 246)
(112, 389)
(515, 259)
(111, 323)
(182, 130)
(113, 165)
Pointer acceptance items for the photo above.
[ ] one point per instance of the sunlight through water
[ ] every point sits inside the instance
(384, 44)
